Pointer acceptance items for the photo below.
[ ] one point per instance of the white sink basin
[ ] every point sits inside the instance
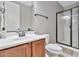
(12, 39)
(21, 38)
(7, 39)
(16, 38)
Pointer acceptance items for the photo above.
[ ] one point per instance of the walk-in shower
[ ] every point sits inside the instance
(67, 27)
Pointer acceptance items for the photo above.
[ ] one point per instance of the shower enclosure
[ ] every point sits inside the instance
(67, 26)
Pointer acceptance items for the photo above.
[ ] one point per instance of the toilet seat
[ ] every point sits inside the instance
(53, 48)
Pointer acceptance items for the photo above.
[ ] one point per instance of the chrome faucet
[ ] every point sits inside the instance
(21, 33)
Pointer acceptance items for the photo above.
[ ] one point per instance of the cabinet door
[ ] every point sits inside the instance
(19, 51)
(28, 50)
(38, 48)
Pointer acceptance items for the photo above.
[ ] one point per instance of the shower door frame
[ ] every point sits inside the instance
(70, 27)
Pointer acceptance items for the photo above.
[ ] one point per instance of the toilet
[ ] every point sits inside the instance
(52, 50)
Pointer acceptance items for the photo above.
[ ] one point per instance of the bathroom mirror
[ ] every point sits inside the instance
(17, 16)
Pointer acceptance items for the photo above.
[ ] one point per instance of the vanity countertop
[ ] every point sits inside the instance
(11, 41)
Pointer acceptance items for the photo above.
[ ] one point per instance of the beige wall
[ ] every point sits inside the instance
(25, 17)
(49, 9)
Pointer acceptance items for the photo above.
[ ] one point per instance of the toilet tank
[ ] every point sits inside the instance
(46, 37)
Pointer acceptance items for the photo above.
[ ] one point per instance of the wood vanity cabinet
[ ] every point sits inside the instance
(18, 51)
(38, 48)
(33, 49)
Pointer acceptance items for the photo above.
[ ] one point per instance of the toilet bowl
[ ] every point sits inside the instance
(52, 50)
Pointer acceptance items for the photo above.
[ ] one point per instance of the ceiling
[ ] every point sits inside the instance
(27, 3)
(63, 3)
(67, 3)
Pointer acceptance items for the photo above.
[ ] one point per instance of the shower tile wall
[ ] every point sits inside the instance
(60, 28)
(67, 20)
(63, 27)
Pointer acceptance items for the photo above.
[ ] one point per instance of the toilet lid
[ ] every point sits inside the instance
(54, 47)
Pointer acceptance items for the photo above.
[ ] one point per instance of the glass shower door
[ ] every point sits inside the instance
(75, 21)
(63, 27)
(68, 27)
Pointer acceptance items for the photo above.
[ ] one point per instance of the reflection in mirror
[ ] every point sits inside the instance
(2, 15)
(17, 16)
